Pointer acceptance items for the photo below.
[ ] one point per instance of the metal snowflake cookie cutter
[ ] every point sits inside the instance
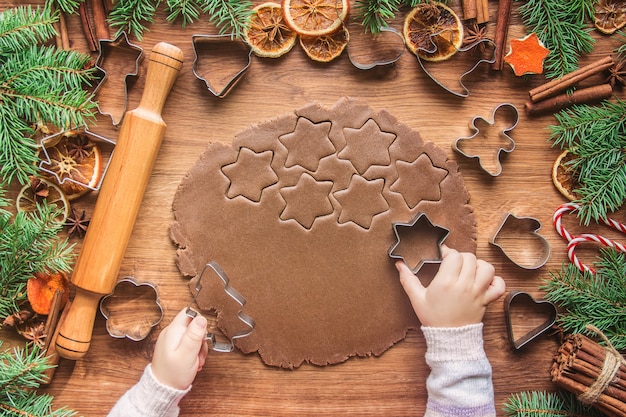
(50, 141)
(385, 53)
(533, 253)
(410, 242)
(226, 44)
(132, 309)
(519, 305)
(503, 136)
(433, 48)
(232, 293)
(120, 43)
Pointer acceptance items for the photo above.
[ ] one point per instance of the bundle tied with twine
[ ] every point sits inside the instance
(596, 374)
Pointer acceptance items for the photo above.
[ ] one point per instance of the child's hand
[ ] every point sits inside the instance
(458, 294)
(180, 351)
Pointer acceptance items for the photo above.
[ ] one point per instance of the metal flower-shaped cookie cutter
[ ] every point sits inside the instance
(420, 222)
(122, 43)
(232, 293)
(522, 229)
(202, 41)
(132, 309)
(515, 299)
(504, 134)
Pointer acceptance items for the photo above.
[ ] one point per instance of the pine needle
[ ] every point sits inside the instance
(547, 404)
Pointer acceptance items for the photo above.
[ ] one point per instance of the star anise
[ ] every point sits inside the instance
(79, 147)
(474, 35)
(39, 187)
(17, 318)
(34, 332)
(617, 74)
(77, 223)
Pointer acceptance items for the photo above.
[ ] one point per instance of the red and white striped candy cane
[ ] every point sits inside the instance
(574, 241)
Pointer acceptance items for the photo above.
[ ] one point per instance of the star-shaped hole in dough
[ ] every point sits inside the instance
(418, 242)
(307, 200)
(307, 144)
(361, 201)
(250, 174)
(418, 180)
(367, 146)
(526, 55)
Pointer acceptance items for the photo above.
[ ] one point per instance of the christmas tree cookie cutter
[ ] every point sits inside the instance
(248, 321)
(512, 231)
(518, 306)
(506, 144)
(419, 231)
(121, 45)
(227, 51)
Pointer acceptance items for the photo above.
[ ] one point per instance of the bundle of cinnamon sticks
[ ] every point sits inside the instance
(595, 373)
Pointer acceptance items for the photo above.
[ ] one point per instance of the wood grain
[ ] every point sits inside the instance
(394, 383)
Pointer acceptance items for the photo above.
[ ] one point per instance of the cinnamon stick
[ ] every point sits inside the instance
(502, 29)
(556, 86)
(100, 19)
(482, 11)
(65, 39)
(582, 96)
(610, 406)
(469, 9)
(86, 26)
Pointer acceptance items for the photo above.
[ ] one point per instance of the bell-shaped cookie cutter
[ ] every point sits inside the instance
(433, 48)
(505, 133)
(531, 226)
(196, 40)
(420, 220)
(513, 297)
(121, 41)
(378, 62)
(232, 293)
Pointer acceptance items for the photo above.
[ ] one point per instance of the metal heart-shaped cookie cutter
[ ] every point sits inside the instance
(524, 228)
(510, 303)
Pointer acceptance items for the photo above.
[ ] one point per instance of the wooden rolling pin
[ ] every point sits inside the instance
(115, 211)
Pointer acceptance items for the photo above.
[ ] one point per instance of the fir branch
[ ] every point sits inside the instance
(562, 26)
(66, 6)
(596, 137)
(187, 10)
(22, 27)
(598, 299)
(375, 14)
(29, 244)
(229, 16)
(133, 16)
(547, 404)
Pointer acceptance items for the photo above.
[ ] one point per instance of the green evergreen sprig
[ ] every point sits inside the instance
(562, 26)
(21, 374)
(29, 244)
(547, 404)
(596, 136)
(375, 14)
(229, 16)
(133, 16)
(66, 6)
(586, 298)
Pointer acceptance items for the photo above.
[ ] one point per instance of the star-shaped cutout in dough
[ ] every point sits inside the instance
(307, 200)
(361, 201)
(250, 174)
(367, 146)
(418, 180)
(526, 55)
(418, 242)
(307, 144)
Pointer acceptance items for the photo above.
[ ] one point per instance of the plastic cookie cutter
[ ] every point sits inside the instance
(232, 293)
(574, 240)
(518, 239)
(369, 50)
(132, 309)
(418, 242)
(120, 56)
(490, 138)
(457, 60)
(527, 318)
(225, 57)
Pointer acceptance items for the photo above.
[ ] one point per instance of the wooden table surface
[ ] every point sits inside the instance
(390, 385)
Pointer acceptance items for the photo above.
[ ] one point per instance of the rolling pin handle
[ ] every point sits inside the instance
(79, 324)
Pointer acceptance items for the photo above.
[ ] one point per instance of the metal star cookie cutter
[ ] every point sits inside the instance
(232, 293)
(514, 119)
(465, 91)
(511, 302)
(522, 228)
(202, 40)
(392, 57)
(131, 313)
(421, 221)
(106, 46)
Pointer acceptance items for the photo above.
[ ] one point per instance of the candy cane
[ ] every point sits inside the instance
(574, 241)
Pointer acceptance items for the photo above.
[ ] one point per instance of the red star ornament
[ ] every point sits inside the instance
(526, 55)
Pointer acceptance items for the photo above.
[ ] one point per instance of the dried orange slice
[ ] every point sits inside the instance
(609, 15)
(268, 35)
(315, 17)
(40, 290)
(74, 164)
(38, 191)
(433, 25)
(563, 176)
(325, 48)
